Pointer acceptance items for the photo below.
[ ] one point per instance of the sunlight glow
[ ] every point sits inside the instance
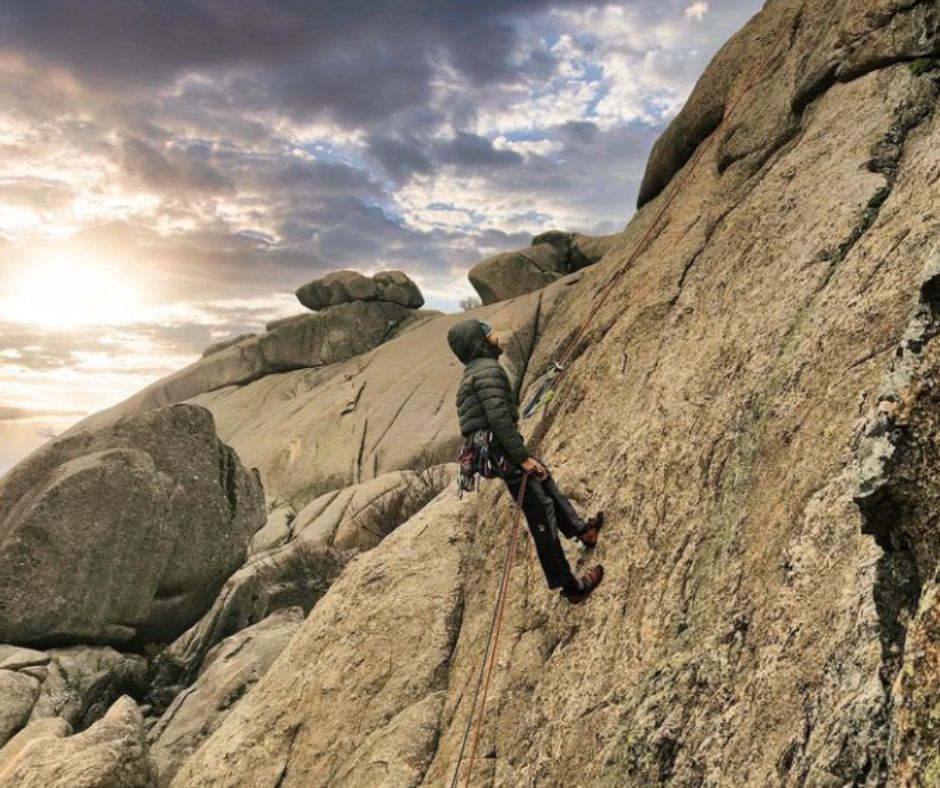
(67, 291)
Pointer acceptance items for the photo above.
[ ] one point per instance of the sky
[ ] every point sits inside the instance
(170, 172)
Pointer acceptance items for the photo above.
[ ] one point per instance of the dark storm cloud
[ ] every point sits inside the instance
(358, 60)
(471, 151)
(182, 171)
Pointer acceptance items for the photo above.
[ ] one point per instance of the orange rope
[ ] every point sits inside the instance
(489, 656)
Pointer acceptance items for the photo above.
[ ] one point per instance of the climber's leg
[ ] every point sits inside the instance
(539, 513)
(568, 520)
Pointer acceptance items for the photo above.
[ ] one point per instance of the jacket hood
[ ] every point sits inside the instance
(467, 341)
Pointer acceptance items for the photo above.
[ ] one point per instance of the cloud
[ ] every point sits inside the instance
(697, 10)
(222, 154)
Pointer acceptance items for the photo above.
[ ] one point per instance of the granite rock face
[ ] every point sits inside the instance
(123, 533)
(551, 256)
(374, 704)
(112, 753)
(297, 343)
(754, 408)
(228, 672)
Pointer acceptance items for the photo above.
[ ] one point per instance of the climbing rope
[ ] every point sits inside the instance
(558, 370)
(492, 639)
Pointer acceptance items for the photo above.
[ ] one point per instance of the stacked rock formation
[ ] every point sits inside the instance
(342, 287)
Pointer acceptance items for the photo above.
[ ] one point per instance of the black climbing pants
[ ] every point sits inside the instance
(547, 511)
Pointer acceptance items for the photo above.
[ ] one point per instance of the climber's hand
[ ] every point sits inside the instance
(534, 466)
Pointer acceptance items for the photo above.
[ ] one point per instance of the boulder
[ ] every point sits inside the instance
(551, 256)
(123, 533)
(340, 287)
(226, 343)
(112, 753)
(325, 535)
(228, 673)
(358, 517)
(397, 287)
(277, 530)
(381, 641)
(18, 693)
(316, 431)
(511, 274)
(80, 683)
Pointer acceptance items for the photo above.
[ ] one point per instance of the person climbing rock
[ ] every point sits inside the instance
(489, 422)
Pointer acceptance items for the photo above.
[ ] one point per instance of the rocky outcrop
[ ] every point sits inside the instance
(801, 51)
(229, 671)
(18, 693)
(551, 256)
(754, 407)
(372, 702)
(342, 287)
(749, 630)
(123, 533)
(319, 430)
(324, 537)
(226, 343)
(303, 342)
(277, 530)
(112, 753)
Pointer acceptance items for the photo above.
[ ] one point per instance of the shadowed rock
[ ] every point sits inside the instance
(228, 673)
(124, 533)
(341, 287)
(551, 256)
(112, 753)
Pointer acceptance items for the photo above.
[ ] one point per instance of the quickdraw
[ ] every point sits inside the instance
(545, 391)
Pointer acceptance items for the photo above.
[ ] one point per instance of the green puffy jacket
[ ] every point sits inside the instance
(484, 396)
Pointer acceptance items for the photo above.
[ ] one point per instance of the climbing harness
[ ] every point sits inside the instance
(477, 458)
(546, 394)
(545, 390)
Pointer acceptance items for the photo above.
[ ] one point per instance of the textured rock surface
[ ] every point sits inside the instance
(381, 639)
(79, 684)
(18, 693)
(720, 409)
(229, 671)
(301, 342)
(341, 287)
(112, 753)
(277, 530)
(551, 256)
(124, 532)
(326, 535)
(755, 408)
(319, 430)
(226, 343)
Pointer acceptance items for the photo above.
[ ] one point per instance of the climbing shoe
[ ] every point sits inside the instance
(594, 524)
(589, 581)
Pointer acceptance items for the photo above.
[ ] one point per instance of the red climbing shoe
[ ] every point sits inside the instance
(594, 524)
(589, 581)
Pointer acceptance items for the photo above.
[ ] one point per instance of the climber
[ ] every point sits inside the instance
(488, 421)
